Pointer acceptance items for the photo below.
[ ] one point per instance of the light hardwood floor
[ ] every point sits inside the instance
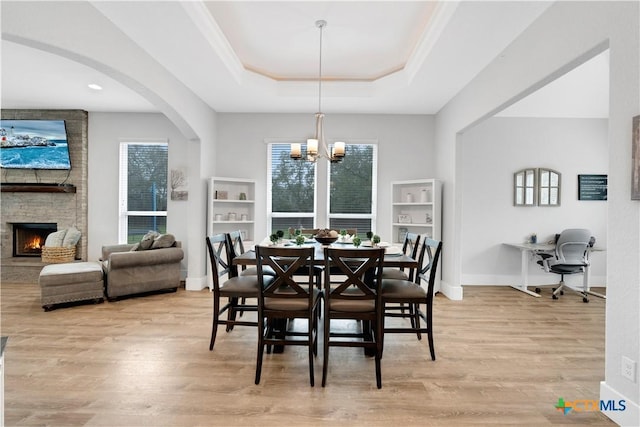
(503, 357)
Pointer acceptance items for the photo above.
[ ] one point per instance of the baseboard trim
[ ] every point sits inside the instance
(452, 292)
(195, 283)
(629, 417)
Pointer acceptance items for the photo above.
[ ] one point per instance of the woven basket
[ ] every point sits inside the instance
(55, 254)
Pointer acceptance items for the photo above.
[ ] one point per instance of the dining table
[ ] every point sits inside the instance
(394, 257)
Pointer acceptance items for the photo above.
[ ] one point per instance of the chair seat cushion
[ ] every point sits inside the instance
(394, 273)
(290, 304)
(242, 286)
(401, 289)
(566, 269)
(352, 305)
(252, 271)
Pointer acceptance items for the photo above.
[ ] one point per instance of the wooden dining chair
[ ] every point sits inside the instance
(410, 292)
(236, 246)
(355, 297)
(410, 248)
(286, 297)
(235, 288)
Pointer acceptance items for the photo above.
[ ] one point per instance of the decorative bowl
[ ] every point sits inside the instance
(326, 240)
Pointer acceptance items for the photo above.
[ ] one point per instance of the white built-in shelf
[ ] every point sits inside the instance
(238, 198)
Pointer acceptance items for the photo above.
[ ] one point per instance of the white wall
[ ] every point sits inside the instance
(566, 35)
(405, 149)
(106, 131)
(490, 154)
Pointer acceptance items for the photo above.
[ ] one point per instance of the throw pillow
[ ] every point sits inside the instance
(55, 239)
(147, 240)
(163, 241)
(72, 237)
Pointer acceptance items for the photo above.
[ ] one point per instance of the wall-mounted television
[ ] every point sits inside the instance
(34, 144)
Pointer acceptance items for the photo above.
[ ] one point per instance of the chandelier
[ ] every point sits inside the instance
(318, 143)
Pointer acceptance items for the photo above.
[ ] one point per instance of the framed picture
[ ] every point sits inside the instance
(404, 219)
(635, 159)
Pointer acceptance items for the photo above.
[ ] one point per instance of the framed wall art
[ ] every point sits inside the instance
(592, 187)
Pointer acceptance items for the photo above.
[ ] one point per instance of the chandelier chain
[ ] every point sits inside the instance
(320, 25)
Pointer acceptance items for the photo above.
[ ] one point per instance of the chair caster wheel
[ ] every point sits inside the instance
(561, 292)
(585, 299)
(554, 296)
(537, 290)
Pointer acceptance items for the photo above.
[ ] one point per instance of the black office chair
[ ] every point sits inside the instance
(571, 256)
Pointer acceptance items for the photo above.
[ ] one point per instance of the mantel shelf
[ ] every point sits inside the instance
(37, 188)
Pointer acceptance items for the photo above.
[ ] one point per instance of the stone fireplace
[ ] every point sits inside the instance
(54, 197)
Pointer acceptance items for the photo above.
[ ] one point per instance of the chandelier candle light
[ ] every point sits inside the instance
(338, 150)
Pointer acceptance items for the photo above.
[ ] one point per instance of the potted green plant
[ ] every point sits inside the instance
(274, 238)
(375, 240)
(356, 241)
(299, 239)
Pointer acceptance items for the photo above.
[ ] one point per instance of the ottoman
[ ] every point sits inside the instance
(70, 282)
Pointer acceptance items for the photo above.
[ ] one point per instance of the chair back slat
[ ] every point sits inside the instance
(236, 248)
(410, 247)
(361, 268)
(285, 262)
(219, 257)
(428, 261)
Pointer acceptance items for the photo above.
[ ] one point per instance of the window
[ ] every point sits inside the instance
(291, 195)
(352, 185)
(143, 189)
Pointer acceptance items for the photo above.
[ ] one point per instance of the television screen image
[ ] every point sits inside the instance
(34, 144)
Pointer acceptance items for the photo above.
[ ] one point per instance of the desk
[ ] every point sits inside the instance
(528, 251)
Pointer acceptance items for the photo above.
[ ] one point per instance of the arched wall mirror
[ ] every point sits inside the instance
(548, 187)
(524, 187)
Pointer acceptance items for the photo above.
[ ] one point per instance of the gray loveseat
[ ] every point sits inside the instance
(128, 273)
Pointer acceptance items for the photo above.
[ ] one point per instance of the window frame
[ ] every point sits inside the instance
(123, 187)
(270, 214)
(374, 186)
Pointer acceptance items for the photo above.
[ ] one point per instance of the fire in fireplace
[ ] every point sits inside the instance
(28, 238)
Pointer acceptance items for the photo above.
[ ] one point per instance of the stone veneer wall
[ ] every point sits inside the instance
(64, 209)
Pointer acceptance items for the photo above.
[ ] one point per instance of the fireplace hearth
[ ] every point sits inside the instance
(29, 238)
